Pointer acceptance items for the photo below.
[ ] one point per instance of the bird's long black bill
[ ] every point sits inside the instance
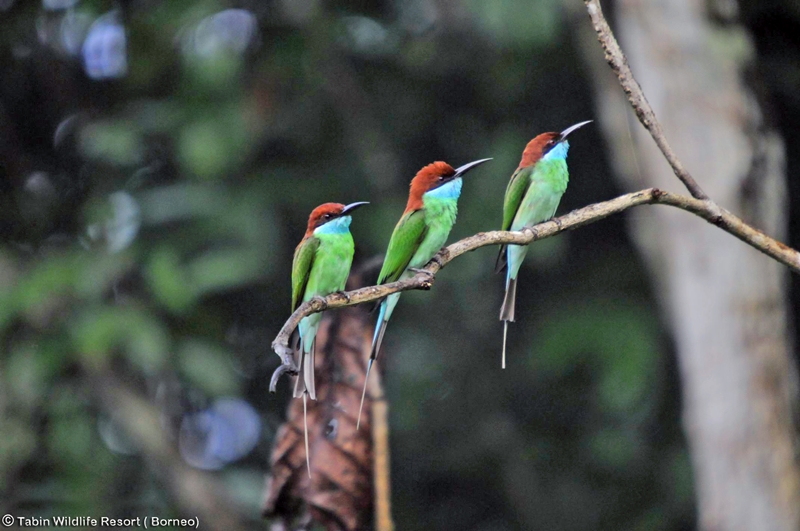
(566, 132)
(352, 206)
(466, 167)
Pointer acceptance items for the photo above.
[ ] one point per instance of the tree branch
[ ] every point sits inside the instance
(577, 218)
(619, 64)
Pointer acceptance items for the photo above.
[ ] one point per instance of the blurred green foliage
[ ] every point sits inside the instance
(148, 221)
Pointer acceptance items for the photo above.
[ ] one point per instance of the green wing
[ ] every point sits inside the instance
(515, 191)
(406, 238)
(301, 268)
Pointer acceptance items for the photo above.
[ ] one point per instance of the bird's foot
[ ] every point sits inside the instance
(422, 271)
(323, 303)
(428, 282)
(342, 293)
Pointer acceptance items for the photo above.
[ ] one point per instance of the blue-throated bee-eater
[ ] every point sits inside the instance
(422, 230)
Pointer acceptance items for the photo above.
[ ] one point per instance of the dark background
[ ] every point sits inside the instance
(158, 162)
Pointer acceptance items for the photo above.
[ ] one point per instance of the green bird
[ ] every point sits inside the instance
(422, 230)
(320, 267)
(532, 196)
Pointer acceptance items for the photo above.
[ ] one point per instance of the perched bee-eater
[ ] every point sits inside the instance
(320, 267)
(532, 196)
(422, 230)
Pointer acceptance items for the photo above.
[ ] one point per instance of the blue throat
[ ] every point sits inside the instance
(451, 190)
(336, 226)
(558, 152)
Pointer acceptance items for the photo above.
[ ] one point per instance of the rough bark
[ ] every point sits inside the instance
(339, 493)
(726, 303)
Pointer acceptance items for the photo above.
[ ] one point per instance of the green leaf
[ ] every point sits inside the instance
(224, 269)
(207, 367)
(618, 336)
(142, 338)
(115, 142)
(169, 281)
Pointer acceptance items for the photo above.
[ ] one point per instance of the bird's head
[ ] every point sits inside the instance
(548, 145)
(437, 176)
(331, 215)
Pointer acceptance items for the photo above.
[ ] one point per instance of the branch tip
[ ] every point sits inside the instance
(644, 112)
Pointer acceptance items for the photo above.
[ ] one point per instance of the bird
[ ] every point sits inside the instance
(320, 266)
(422, 230)
(532, 196)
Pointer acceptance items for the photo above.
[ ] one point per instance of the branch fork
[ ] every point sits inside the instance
(699, 204)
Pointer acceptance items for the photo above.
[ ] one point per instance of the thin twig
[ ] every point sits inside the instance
(577, 218)
(619, 64)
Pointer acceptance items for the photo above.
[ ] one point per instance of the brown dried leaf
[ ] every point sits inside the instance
(339, 494)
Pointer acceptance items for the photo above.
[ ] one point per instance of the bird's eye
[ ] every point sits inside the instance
(327, 216)
(441, 177)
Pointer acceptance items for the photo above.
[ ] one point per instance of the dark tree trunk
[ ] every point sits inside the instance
(339, 494)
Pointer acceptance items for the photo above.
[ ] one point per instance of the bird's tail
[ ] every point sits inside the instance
(505, 336)
(304, 386)
(364, 393)
(305, 379)
(507, 311)
(380, 329)
(502, 260)
(509, 302)
(377, 339)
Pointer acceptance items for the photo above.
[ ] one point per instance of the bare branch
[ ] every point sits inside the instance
(577, 218)
(619, 64)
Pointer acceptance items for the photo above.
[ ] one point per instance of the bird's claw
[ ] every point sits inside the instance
(342, 293)
(322, 301)
(423, 271)
(428, 282)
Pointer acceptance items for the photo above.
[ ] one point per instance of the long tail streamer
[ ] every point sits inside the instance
(363, 393)
(505, 335)
(305, 429)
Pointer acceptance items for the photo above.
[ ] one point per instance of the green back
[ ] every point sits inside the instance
(515, 191)
(548, 177)
(301, 268)
(406, 238)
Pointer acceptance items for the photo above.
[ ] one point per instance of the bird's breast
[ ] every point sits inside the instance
(440, 211)
(331, 264)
